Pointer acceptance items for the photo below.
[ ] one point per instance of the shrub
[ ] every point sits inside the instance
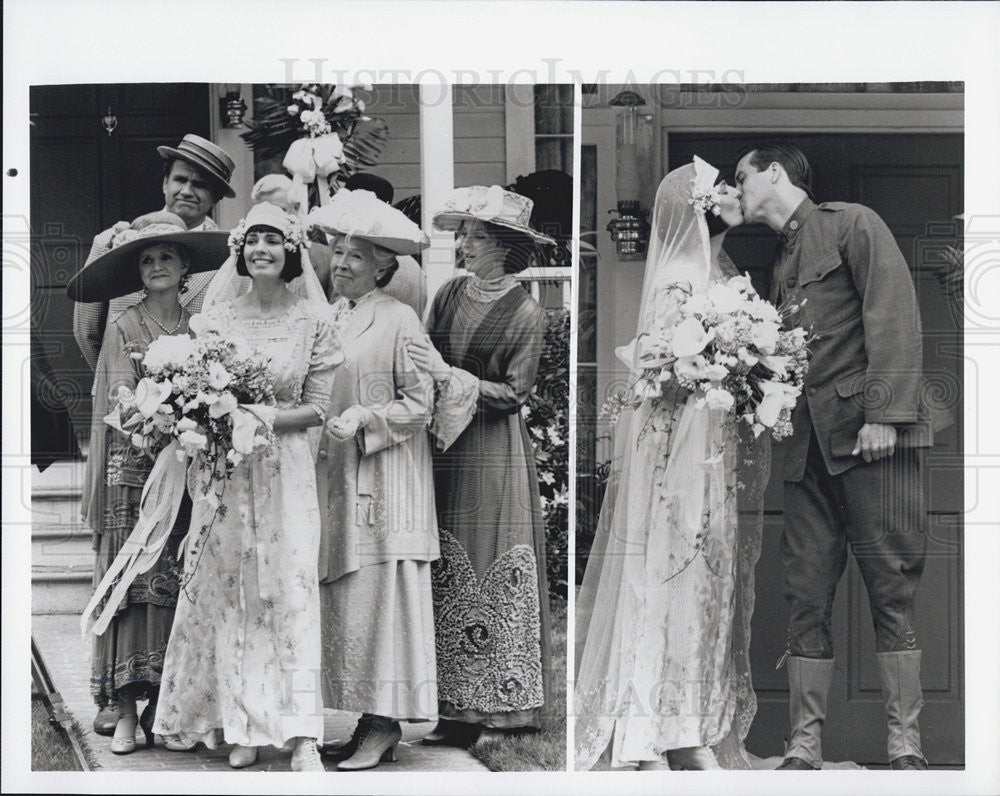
(547, 416)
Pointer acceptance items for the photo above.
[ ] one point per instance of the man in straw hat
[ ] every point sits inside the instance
(196, 176)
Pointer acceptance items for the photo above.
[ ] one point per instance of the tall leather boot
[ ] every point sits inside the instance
(808, 683)
(900, 673)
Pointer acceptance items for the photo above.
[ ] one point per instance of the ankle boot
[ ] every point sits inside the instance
(900, 672)
(376, 745)
(338, 754)
(808, 683)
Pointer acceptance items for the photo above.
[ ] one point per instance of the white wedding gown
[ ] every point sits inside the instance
(663, 615)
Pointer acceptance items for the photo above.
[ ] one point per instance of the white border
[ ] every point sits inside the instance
(59, 41)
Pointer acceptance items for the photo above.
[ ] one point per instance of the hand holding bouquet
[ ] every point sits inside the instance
(205, 394)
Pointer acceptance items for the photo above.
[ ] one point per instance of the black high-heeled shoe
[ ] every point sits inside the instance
(451, 733)
(146, 723)
(338, 754)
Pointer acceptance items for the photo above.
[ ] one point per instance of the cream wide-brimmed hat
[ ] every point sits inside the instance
(493, 204)
(116, 273)
(361, 214)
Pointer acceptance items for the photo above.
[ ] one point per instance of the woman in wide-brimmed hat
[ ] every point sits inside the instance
(376, 489)
(490, 593)
(244, 651)
(154, 253)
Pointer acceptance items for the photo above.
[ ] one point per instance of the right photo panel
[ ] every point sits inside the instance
(769, 540)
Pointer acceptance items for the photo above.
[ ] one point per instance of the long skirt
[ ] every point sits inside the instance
(378, 641)
(127, 658)
(490, 592)
(243, 656)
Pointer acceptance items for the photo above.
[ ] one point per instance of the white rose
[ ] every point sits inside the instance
(169, 351)
(222, 407)
(764, 311)
(741, 284)
(192, 440)
(725, 299)
(718, 398)
(695, 305)
(765, 336)
(218, 376)
(186, 424)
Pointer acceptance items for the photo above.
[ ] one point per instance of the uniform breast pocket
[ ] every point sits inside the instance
(820, 268)
(829, 292)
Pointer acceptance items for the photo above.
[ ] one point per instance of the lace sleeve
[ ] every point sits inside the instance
(325, 355)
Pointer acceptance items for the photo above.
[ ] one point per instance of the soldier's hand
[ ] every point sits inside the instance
(875, 441)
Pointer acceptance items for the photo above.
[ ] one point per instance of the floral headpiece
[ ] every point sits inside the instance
(706, 196)
(268, 215)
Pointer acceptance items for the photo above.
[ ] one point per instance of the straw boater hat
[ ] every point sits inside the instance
(361, 214)
(116, 273)
(201, 153)
(492, 204)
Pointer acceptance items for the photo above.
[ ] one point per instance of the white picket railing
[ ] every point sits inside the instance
(535, 277)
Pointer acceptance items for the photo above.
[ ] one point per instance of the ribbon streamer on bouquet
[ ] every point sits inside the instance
(158, 509)
(313, 160)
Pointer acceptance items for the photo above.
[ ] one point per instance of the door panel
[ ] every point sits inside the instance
(914, 182)
(84, 180)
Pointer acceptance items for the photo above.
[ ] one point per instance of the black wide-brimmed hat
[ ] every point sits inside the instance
(116, 272)
(201, 153)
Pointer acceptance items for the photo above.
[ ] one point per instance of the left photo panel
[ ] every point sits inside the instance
(300, 426)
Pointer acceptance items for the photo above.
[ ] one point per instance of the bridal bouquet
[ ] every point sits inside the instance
(204, 393)
(726, 344)
(202, 398)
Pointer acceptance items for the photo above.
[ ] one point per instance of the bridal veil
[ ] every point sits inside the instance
(685, 489)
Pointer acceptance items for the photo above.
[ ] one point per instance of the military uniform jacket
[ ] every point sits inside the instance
(840, 264)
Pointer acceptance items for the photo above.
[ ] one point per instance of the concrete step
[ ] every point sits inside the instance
(61, 589)
(62, 559)
(55, 509)
(61, 545)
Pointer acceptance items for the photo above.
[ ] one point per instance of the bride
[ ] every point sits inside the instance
(663, 617)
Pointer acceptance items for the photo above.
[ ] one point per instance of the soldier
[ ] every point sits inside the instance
(853, 465)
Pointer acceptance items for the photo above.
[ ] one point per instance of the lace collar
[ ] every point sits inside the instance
(487, 290)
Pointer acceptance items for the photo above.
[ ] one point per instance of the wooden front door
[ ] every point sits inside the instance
(914, 182)
(83, 180)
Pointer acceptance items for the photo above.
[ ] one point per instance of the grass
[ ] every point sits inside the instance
(545, 750)
(50, 749)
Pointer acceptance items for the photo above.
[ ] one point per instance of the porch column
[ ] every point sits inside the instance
(437, 179)
(229, 211)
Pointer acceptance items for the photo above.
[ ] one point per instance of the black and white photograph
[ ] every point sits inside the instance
(501, 396)
(770, 539)
(299, 424)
